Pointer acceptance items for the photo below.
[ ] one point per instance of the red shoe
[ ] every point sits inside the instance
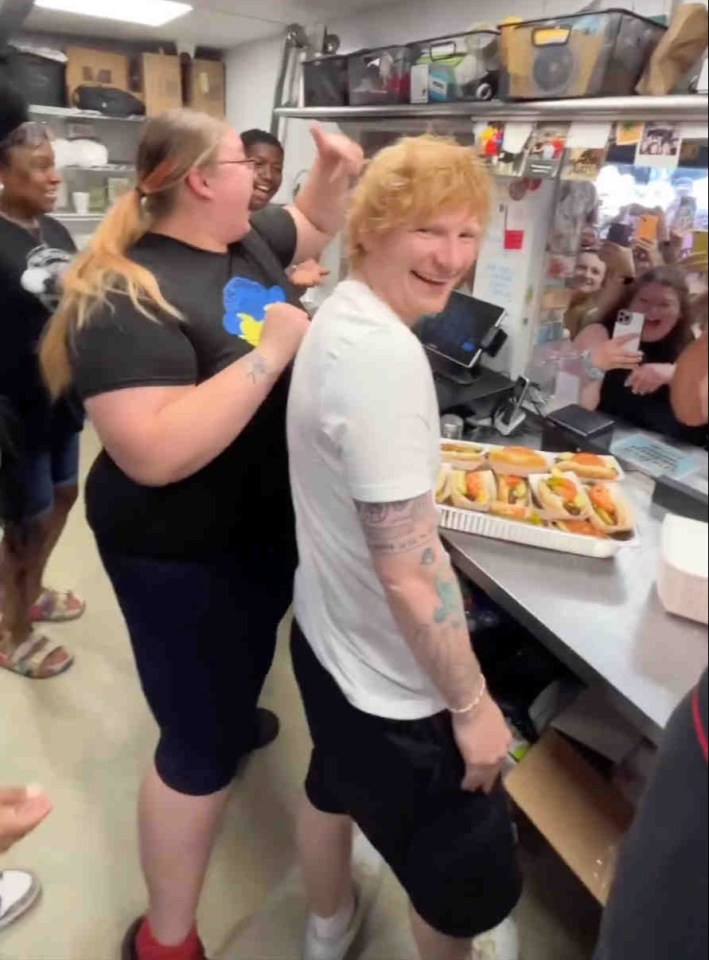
(129, 950)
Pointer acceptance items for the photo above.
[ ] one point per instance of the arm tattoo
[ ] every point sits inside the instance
(449, 594)
(399, 527)
(258, 368)
(428, 558)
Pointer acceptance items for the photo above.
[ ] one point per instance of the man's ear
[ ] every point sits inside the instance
(197, 180)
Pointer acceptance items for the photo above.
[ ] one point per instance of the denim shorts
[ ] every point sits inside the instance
(37, 474)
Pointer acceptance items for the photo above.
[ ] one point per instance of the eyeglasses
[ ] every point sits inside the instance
(241, 163)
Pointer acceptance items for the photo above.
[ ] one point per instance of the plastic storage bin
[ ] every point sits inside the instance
(325, 82)
(41, 80)
(450, 69)
(582, 55)
(380, 76)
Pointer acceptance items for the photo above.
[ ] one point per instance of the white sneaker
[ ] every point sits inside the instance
(502, 943)
(368, 869)
(18, 892)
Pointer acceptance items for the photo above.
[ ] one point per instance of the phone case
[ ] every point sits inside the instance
(627, 323)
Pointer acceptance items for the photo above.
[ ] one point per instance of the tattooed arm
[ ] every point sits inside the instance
(424, 597)
(161, 434)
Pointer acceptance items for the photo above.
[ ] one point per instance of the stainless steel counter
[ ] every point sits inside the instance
(602, 618)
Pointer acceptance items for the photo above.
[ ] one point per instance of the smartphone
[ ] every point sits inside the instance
(621, 234)
(648, 227)
(626, 323)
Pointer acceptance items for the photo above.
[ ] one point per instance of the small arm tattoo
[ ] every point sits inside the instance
(398, 527)
(258, 368)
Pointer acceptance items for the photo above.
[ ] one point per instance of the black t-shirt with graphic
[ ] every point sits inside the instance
(242, 499)
(31, 265)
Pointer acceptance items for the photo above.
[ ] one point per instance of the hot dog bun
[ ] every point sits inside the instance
(581, 528)
(472, 490)
(589, 466)
(518, 513)
(562, 496)
(461, 455)
(442, 492)
(518, 461)
(610, 511)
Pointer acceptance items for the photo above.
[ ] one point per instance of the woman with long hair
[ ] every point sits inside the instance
(635, 387)
(39, 445)
(178, 326)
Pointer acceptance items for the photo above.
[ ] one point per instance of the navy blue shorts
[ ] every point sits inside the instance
(38, 473)
(400, 781)
(204, 636)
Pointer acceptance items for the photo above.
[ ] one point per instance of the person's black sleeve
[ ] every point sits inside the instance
(120, 348)
(278, 229)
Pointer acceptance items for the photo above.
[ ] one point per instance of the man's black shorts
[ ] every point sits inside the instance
(453, 852)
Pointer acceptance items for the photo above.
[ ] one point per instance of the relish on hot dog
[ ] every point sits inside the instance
(610, 511)
(513, 490)
(563, 497)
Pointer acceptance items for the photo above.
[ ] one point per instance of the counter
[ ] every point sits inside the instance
(601, 618)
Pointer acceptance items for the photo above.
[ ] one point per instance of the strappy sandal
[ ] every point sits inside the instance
(30, 658)
(54, 606)
(19, 890)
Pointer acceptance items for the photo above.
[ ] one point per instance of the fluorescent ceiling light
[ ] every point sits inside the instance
(147, 13)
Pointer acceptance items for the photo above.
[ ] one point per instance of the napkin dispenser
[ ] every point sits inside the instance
(684, 569)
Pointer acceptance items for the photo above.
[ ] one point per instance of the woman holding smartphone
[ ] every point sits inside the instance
(634, 385)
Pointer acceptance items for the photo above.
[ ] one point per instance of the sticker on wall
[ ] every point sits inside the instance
(660, 146)
(547, 150)
(583, 164)
(628, 134)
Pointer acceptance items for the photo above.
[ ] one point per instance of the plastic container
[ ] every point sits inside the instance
(452, 69)
(684, 572)
(325, 82)
(382, 76)
(583, 55)
(41, 80)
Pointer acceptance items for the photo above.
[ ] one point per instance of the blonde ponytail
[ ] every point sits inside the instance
(172, 145)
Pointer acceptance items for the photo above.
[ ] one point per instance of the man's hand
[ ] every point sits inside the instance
(484, 740)
(337, 152)
(309, 274)
(21, 810)
(650, 377)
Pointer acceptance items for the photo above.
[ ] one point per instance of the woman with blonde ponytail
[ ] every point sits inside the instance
(177, 328)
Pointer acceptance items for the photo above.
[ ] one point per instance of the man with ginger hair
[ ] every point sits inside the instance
(408, 743)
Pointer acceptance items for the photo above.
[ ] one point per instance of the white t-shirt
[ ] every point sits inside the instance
(362, 425)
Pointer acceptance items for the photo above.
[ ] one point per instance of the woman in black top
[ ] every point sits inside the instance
(39, 446)
(639, 391)
(178, 326)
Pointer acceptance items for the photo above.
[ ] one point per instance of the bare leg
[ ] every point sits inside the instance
(23, 544)
(436, 946)
(176, 836)
(64, 499)
(325, 847)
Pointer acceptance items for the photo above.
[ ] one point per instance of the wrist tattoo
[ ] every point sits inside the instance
(258, 367)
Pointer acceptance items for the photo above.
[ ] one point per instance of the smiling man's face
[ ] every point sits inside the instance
(416, 269)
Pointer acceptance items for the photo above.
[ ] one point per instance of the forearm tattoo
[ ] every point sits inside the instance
(399, 527)
(258, 368)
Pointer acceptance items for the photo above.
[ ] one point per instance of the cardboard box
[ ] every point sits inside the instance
(206, 87)
(583, 817)
(97, 68)
(161, 82)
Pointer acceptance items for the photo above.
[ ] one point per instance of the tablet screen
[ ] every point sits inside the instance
(460, 331)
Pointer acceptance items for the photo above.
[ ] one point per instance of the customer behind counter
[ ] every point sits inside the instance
(635, 387)
(589, 276)
(174, 327)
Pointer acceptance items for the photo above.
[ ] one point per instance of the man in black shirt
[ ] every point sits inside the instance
(40, 481)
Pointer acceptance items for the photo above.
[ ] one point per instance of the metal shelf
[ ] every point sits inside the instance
(119, 168)
(70, 113)
(75, 217)
(673, 109)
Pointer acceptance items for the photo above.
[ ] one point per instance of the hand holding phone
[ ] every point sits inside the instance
(629, 324)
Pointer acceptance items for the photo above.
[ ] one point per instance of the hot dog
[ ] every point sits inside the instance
(581, 528)
(518, 461)
(514, 491)
(563, 497)
(610, 511)
(462, 456)
(589, 466)
(472, 491)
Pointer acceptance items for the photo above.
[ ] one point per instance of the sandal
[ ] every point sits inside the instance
(53, 606)
(30, 658)
(19, 890)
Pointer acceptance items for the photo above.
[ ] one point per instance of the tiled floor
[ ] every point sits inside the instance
(86, 738)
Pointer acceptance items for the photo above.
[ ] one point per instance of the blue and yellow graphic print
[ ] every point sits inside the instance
(245, 303)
